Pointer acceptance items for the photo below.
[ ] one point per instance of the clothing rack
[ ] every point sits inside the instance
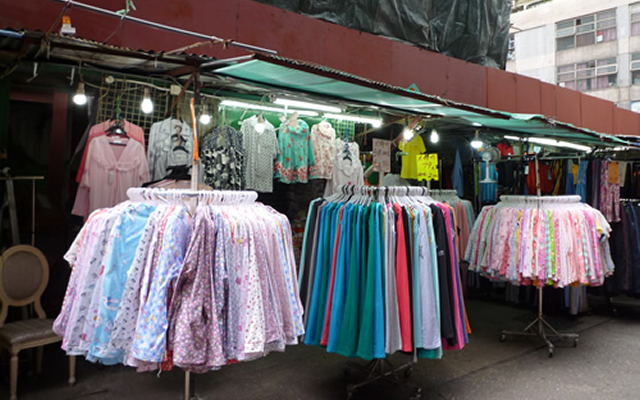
(191, 198)
(539, 325)
(380, 368)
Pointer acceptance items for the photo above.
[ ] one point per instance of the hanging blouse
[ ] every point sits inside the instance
(110, 171)
(222, 157)
(133, 131)
(324, 149)
(346, 170)
(609, 196)
(261, 150)
(170, 144)
(295, 161)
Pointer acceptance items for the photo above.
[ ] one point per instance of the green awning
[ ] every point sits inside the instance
(283, 73)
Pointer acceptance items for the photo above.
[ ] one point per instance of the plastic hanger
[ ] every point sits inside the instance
(347, 154)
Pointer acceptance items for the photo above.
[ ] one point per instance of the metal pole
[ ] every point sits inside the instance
(33, 213)
(539, 193)
(540, 326)
(167, 27)
(187, 385)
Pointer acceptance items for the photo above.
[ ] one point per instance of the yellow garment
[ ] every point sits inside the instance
(614, 172)
(575, 173)
(409, 162)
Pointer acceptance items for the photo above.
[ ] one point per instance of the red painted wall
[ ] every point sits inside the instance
(307, 39)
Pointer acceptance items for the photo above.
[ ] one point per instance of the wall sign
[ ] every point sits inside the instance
(381, 155)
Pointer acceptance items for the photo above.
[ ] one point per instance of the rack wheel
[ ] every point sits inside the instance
(408, 372)
(418, 395)
(550, 353)
(575, 342)
(349, 395)
(503, 337)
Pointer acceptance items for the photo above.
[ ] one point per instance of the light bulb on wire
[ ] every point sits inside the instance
(147, 104)
(80, 98)
(205, 118)
(476, 143)
(408, 133)
(434, 136)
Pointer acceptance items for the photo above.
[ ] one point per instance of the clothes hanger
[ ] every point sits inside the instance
(347, 154)
(117, 128)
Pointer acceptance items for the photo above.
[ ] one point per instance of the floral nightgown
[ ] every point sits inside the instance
(295, 162)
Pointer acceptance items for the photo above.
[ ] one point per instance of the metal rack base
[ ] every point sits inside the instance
(542, 325)
(382, 368)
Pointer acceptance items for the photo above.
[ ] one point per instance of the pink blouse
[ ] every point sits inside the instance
(110, 171)
(133, 131)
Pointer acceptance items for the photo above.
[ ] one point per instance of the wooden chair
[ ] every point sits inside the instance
(24, 274)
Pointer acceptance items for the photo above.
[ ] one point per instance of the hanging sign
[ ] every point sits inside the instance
(381, 155)
(428, 167)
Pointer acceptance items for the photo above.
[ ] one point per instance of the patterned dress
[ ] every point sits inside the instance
(223, 159)
(295, 161)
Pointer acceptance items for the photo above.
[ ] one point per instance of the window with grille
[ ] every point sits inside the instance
(588, 75)
(634, 10)
(635, 68)
(511, 54)
(586, 30)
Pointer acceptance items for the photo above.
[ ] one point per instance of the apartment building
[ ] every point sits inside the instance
(592, 46)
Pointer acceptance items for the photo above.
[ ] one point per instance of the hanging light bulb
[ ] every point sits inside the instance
(205, 118)
(476, 143)
(147, 104)
(80, 97)
(408, 133)
(434, 136)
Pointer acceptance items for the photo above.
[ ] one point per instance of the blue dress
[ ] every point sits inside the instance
(125, 237)
(340, 281)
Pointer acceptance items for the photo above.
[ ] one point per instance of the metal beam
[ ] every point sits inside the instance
(167, 27)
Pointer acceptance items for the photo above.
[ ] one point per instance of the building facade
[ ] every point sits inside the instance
(592, 46)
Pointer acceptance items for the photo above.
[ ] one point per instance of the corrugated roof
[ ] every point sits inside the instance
(36, 45)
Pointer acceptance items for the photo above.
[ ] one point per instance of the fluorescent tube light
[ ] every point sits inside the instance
(307, 106)
(251, 106)
(375, 122)
(553, 142)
